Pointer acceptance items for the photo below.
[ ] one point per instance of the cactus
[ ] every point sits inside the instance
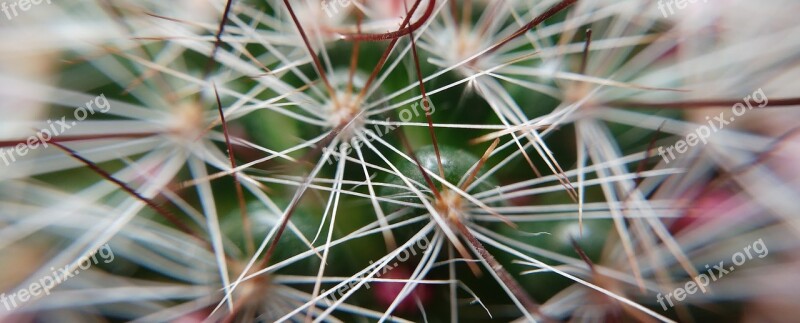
(398, 160)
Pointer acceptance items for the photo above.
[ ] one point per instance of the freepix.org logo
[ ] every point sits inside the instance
(715, 272)
(758, 99)
(60, 275)
(332, 7)
(666, 5)
(54, 129)
(10, 10)
(415, 110)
